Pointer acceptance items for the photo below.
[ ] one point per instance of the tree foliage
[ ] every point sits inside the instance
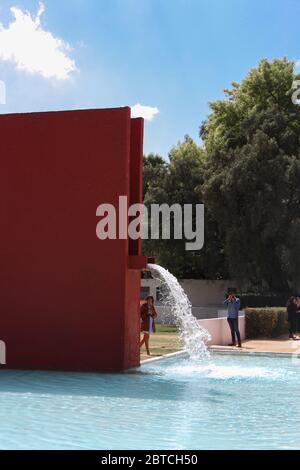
(179, 181)
(252, 175)
(248, 175)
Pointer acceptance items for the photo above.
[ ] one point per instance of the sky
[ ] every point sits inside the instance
(167, 59)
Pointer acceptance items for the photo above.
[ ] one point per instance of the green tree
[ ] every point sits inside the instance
(252, 175)
(180, 182)
(154, 173)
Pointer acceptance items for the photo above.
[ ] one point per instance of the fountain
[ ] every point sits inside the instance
(194, 337)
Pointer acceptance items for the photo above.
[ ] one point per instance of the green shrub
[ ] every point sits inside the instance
(266, 322)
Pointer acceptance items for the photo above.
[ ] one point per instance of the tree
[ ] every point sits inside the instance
(252, 175)
(154, 173)
(180, 182)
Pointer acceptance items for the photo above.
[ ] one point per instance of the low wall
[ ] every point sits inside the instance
(206, 297)
(203, 293)
(165, 313)
(219, 330)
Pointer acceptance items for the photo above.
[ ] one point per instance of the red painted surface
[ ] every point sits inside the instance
(68, 300)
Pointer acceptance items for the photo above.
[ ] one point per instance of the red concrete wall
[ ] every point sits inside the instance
(68, 300)
(133, 278)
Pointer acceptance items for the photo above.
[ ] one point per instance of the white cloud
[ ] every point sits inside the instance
(32, 49)
(297, 63)
(146, 112)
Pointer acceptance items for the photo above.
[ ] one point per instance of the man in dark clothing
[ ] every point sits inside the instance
(233, 304)
(298, 313)
(292, 316)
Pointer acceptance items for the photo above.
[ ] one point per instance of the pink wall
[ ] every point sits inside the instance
(219, 330)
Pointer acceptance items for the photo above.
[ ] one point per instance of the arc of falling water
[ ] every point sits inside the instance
(194, 337)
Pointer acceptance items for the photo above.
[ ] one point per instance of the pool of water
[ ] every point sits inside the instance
(229, 402)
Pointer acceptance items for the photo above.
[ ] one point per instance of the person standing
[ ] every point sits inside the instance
(148, 316)
(298, 314)
(291, 307)
(233, 305)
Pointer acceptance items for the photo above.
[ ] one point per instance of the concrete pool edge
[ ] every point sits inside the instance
(224, 352)
(237, 352)
(161, 358)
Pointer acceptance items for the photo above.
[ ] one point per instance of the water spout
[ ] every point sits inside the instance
(194, 337)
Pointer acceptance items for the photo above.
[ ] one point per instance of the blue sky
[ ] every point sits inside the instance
(174, 55)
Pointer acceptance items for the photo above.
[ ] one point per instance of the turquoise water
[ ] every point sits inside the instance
(228, 403)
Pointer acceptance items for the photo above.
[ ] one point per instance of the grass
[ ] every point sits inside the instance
(164, 341)
(166, 329)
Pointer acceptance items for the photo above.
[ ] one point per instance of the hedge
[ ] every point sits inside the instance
(266, 322)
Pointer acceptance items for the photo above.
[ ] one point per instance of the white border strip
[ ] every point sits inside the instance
(161, 358)
(237, 352)
(223, 352)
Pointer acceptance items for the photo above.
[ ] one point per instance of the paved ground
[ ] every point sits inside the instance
(282, 344)
(166, 341)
